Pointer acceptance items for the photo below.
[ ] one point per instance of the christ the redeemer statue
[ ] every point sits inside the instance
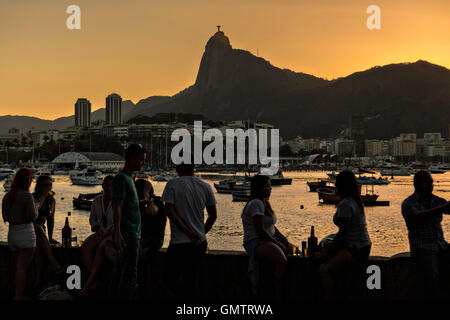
(218, 28)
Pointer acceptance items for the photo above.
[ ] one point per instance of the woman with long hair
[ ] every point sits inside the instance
(153, 218)
(262, 240)
(352, 243)
(46, 214)
(20, 210)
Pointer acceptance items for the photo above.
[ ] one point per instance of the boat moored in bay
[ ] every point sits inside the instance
(86, 177)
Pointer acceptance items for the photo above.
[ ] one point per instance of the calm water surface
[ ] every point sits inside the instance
(385, 224)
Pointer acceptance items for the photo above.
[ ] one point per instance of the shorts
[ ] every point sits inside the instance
(21, 236)
(251, 245)
(360, 254)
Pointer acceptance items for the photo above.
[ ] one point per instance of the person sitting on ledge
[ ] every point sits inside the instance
(262, 240)
(46, 215)
(153, 218)
(352, 243)
(422, 212)
(93, 250)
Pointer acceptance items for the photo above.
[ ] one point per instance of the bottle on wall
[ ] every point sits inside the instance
(304, 248)
(66, 233)
(312, 243)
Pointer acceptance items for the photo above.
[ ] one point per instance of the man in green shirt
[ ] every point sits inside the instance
(126, 230)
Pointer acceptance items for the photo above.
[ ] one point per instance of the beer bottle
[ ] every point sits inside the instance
(74, 238)
(312, 243)
(304, 248)
(66, 233)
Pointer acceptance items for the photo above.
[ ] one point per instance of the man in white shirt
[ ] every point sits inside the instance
(186, 198)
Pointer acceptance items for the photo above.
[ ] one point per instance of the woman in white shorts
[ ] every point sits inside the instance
(19, 210)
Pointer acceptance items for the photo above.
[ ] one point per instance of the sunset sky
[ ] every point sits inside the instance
(140, 48)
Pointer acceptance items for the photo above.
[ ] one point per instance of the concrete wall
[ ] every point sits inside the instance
(224, 276)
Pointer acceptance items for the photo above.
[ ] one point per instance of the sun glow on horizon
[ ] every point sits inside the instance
(142, 48)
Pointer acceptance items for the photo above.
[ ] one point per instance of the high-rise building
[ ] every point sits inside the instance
(113, 113)
(357, 133)
(83, 113)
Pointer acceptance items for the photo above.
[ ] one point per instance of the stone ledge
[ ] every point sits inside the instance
(223, 275)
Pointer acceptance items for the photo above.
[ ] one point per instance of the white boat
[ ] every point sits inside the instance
(5, 172)
(166, 176)
(43, 172)
(276, 180)
(396, 172)
(87, 177)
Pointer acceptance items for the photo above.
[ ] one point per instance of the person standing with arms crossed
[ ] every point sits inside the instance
(126, 231)
(186, 198)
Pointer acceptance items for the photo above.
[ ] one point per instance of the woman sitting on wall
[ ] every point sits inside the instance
(46, 215)
(352, 243)
(262, 240)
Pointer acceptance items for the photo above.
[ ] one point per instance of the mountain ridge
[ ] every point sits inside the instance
(234, 84)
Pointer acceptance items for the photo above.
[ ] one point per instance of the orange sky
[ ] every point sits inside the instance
(140, 48)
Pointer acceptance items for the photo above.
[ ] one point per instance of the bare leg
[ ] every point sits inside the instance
(269, 251)
(24, 258)
(337, 262)
(44, 248)
(88, 250)
(100, 257)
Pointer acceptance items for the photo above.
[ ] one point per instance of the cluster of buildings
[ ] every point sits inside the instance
(405, 146)
(352, 143)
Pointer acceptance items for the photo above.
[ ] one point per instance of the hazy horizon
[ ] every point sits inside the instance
(134, 47)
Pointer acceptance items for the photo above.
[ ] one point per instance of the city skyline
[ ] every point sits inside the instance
(44, 58)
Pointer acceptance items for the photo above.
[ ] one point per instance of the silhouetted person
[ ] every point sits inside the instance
(127, 224)
(262, 240)
(94, 248)
(20, 211)
(101, 221)
(46, 215)
(153, 217)
(422, 212)
(352, 243)
(186, 198)
(47, 210)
